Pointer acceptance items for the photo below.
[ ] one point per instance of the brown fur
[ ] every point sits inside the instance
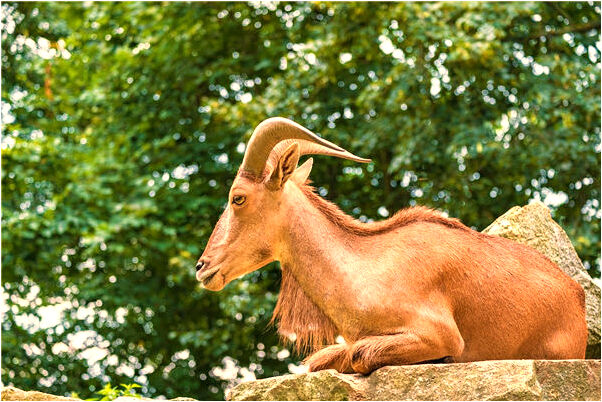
(414, 288)
(250, 176)
(401, 218)
(298, 314)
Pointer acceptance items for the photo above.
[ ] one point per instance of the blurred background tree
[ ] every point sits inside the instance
(124, 124)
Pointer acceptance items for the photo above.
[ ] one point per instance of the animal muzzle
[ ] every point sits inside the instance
(204, 273)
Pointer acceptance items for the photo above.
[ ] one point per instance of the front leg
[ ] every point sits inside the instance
(406, 347)
(331, 357)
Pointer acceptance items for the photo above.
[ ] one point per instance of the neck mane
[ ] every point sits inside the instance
(300, 320)
(296, 312)
(403, 217)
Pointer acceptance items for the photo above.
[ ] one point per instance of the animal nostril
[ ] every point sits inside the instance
(200, 265)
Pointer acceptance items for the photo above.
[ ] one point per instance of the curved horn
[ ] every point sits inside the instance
(275, 130)
(309, 148)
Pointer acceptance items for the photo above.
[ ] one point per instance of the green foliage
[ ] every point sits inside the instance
(109, 393)
(123, 124)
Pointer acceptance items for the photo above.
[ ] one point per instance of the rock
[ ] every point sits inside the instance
(16, 394)
(533, 225)
(503, 380)
(321, 385)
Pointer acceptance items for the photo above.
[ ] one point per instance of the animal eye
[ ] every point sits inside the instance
(239, 199)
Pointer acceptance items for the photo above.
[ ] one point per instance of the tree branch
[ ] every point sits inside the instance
(568, 29)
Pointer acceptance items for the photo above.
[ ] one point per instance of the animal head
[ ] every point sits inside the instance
(248, 233)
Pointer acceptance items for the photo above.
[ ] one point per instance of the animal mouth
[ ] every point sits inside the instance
(206, 276)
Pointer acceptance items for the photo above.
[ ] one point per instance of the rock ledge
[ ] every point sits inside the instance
(503, 380)
(16, 394)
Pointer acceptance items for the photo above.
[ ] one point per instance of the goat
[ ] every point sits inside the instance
(418, 287)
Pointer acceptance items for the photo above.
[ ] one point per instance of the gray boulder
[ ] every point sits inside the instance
(503, 380)
(16, 394)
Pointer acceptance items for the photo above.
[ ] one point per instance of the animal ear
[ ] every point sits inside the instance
(285, 168)
(302, 172)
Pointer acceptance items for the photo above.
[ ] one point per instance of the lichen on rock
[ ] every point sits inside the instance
(502, 380)
(16, 394)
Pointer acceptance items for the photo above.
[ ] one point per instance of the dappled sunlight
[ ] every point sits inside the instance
(124, 124)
